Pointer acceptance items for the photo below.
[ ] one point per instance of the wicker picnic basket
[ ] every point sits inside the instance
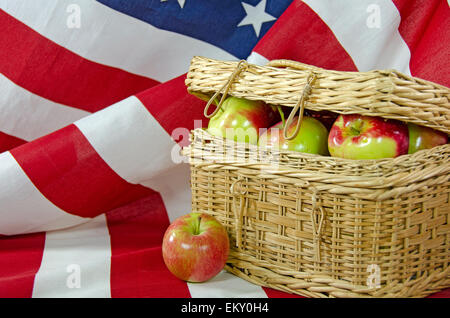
(321, 226)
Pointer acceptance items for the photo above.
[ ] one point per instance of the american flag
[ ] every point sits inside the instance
(91, 93)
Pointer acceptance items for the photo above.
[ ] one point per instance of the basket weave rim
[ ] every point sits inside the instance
(368, 179)
(417, 156)
(321, 286)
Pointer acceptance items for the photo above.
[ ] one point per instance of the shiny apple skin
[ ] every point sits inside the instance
(240, 119)
(311, 138)
(421, 137)
(195, 247)
(366, 137)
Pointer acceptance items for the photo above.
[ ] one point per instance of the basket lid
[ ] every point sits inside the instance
(385, 93)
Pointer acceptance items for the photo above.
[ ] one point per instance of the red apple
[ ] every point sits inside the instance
(311, 138)
(195, 247)
(421, 137)
(366, 137)
(240, 119)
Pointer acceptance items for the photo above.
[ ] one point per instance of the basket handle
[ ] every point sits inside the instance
(317, 216)
(241, 66)
(300, 105)
(238, 212)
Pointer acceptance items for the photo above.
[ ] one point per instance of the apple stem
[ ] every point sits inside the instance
(197, 227)
(281, 114)
(357, 128)
(355, 132)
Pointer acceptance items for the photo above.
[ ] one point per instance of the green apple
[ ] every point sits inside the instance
(421, 137)
(311, 138)
(366, 137)
(240, 119)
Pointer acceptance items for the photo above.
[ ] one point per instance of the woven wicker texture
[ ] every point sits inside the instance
(388, 93)
(322, 226)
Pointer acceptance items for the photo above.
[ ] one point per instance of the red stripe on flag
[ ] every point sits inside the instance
(8, 142)
(20, 259)
(137, 267)
(415, 17)
(425, 27)
(172, 106)
(53, 72)
(68, 171)
(301, 35)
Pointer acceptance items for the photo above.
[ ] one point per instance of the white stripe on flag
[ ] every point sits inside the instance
(174, 187)
(132, 142)
(28, 116)
(256, 58)
(76, 262)
(226, 285)
(367, 30)
(23, 209)
(109, 37)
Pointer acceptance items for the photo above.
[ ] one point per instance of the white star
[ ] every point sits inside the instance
(180, 2)
(256, 16)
